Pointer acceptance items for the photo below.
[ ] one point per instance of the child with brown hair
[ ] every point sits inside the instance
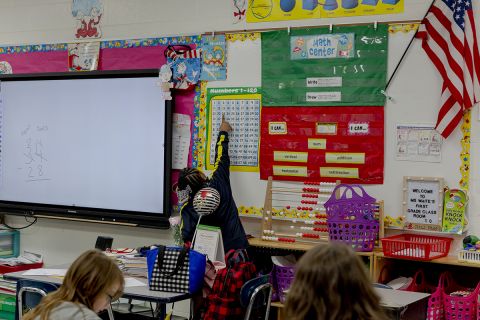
(331, 283)
(90, 284)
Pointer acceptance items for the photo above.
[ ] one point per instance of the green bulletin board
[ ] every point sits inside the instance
(355, 78)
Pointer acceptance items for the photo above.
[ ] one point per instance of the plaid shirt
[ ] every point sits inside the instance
(224, 301)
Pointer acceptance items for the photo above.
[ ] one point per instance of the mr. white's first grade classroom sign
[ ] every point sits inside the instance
(423, 202)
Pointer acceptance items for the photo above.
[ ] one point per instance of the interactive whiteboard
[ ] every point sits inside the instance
(88, 143)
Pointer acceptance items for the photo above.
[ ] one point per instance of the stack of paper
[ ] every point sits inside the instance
(8, 287)
(133, 265)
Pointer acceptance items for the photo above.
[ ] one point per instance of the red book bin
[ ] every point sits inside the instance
(416, 247)
(20, 267)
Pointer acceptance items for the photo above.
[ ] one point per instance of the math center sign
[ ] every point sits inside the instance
(322, 46)
(423, 202)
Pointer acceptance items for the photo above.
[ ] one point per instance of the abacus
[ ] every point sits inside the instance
(309, 223)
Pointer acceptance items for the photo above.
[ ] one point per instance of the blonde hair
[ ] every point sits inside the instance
(91, 275)
(331, 283)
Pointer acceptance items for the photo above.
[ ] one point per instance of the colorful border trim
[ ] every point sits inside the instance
(232, 37)
(199, 125)
(465, 153)
(131, 43)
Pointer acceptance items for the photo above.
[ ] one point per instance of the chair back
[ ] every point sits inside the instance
(256, 296)
(29, 294)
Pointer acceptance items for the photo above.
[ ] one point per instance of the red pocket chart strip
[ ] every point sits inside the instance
(323, 144)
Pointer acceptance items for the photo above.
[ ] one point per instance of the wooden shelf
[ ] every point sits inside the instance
(448, 260)
(297, 246)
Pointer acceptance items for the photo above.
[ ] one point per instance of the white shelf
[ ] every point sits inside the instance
(427, 231)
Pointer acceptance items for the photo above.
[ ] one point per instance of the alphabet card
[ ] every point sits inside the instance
(423, 203)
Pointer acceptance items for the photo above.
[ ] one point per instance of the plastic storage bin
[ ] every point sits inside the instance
(9, 243)
(469, 256)
(416, 247)
(351, 217)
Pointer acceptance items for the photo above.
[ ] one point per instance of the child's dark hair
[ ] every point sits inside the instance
(331, 283)
(192, 177)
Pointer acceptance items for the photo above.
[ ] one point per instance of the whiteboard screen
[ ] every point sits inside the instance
(92, 143)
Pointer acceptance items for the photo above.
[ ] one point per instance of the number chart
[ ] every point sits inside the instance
(241, 108)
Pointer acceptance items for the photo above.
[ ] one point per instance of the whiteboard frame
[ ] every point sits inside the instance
(100, 215)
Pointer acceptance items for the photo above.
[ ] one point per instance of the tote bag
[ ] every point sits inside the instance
(175, 269)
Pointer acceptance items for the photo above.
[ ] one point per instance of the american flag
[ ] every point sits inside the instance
(450, 41)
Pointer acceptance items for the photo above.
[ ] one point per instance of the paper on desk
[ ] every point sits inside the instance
(45, 272)
(132, 282)
(180, 140)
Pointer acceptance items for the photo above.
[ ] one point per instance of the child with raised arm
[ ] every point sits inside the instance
(331, 283)
(90, 284)
(226, 217)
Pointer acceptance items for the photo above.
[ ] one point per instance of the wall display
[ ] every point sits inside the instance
(323, 143)
(83, 56)
(278, 10)
(241, 107)
(418, 143)
(352, 70)
(214, 58)
(245, 50)
(423, 202)
(88, 14)
(454, 210)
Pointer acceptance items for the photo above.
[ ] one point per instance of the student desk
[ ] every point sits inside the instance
(138, 293)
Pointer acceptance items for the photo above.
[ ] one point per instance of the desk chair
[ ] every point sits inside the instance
(256, 296)
(29, 294)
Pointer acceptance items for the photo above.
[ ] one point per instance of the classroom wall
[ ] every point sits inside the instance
(414, 100)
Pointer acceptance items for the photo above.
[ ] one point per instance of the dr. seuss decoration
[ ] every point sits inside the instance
(83, 56)
(240, 6)
(5, 68)
(88, 14)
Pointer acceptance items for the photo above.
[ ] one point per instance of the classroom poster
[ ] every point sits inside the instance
(323, 144)
(279, 10)
(214, 58)
(454, 210)
(241, 107)
(418, 143)
(316, 67)
(181, 136)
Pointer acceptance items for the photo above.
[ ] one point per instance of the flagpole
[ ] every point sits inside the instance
(408, 47)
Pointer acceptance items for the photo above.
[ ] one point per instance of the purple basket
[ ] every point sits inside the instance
(351, 218)
(283, 279)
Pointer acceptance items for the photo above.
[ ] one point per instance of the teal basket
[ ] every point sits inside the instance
(9, 243)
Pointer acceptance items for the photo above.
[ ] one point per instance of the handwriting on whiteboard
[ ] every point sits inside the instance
(35, 160)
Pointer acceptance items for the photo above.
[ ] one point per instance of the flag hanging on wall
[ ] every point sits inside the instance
(450, 41)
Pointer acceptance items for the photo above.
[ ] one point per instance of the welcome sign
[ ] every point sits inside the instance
(322, 46)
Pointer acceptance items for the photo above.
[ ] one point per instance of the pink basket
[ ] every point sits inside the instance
(351, 218)
(284, 278)
(442, 306)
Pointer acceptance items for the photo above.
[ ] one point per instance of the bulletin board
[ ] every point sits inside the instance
(418, 106)
(323, 144)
